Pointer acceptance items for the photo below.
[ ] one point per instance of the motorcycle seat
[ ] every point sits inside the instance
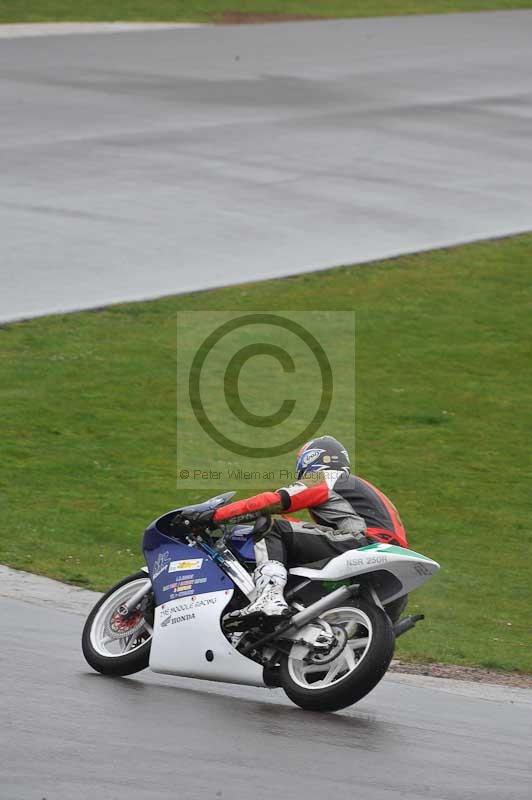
(315, 565)
(332, 568)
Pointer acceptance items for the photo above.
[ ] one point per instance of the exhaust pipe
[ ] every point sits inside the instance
(331, 600)
(406, 624)
(300, 619)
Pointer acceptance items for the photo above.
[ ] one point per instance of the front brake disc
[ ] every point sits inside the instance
(120, 627)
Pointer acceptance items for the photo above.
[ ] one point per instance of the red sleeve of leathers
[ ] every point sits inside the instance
(259, 502)
(308, 497)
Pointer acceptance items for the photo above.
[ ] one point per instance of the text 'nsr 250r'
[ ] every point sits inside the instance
(172, 615)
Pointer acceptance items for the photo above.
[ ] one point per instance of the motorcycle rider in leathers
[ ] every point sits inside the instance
(348, 513)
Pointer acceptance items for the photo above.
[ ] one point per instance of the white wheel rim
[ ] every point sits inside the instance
(102, 640)
(322, 676)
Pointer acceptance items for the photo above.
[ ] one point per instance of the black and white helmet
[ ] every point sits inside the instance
(325, 452)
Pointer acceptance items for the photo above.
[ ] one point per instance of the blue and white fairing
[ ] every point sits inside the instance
(178, 570)
(191, 593)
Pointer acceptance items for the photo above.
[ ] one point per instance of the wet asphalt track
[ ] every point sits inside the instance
(139, 164)
(151, 163)
(71, 734)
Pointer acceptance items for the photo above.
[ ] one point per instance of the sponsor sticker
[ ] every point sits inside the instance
(175, 620)
(184, 612)
(187, 605)
(184, 583)
(421, 569)
(160, 564)
(370, 562)
(185, 565)
(309, 457)
(183, 586)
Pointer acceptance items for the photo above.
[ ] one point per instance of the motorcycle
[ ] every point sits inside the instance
(175, 614)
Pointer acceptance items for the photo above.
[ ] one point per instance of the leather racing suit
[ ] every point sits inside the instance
(346, 510)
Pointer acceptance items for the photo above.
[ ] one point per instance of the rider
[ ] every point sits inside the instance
(348, 513)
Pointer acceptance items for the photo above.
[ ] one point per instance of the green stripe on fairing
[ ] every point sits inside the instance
(392, 548)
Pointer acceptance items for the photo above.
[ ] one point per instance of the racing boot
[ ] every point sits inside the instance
(270, 580)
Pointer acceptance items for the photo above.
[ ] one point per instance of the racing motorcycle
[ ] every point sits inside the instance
(174, 615)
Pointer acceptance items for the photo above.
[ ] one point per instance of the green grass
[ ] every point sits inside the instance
(214, 10)
(443, 426)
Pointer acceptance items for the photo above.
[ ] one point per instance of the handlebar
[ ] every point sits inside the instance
(197, 522)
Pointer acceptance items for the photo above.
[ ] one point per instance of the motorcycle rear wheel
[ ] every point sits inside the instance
(354, 673)
(114, 645)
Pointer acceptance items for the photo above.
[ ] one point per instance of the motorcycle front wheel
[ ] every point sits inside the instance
(339, 683)
(116, 645)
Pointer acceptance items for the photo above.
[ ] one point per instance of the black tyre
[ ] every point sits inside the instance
(357, 669)
(116, 645)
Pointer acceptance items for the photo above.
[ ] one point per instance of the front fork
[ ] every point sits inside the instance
(126, 608)
(229, 563)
